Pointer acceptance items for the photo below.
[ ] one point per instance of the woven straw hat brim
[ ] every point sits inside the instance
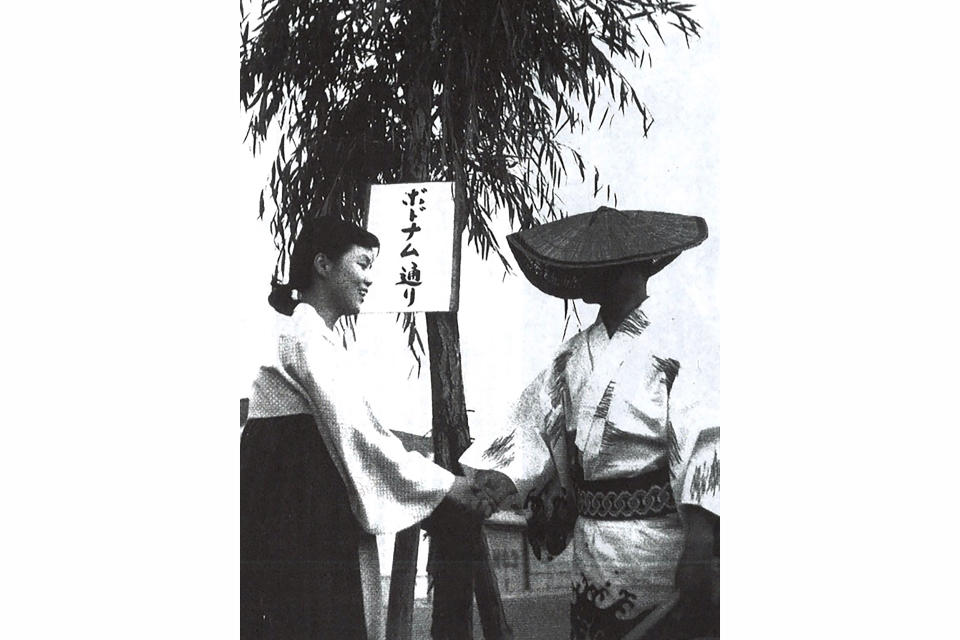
(573, 256)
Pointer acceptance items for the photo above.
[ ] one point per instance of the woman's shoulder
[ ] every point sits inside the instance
(304, 326)
(302, 340)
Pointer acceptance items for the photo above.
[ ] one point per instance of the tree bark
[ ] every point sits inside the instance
(465, 563)
(453, 560)
(415, 167)
(451, 435)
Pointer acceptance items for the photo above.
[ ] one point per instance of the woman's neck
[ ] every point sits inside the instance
(317, 299)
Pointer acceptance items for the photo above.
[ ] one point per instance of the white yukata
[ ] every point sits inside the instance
(616, 407)
(373, 486)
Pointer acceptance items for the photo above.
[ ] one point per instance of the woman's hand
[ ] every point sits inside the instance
(495, 485)
(471, 500)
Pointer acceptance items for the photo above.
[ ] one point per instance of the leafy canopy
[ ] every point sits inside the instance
(479, 88)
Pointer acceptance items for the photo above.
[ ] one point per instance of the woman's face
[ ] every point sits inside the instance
(348, 279)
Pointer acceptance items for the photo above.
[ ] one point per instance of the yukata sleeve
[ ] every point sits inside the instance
(695, 444)
(531, 451)
(519, 450)
(701, 481)
(389, 487)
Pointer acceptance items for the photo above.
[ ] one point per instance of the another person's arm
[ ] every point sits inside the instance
(515, 459)
(523, 462)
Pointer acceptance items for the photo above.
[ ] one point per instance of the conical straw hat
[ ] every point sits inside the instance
(566, 257)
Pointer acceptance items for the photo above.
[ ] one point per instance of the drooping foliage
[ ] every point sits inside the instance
(339, 79)
(478, 91)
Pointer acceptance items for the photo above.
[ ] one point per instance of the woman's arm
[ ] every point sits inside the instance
(390, 488)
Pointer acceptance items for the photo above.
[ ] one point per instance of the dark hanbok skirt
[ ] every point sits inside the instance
(299, 539)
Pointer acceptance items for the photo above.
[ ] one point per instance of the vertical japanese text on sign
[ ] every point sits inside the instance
(414, 269)
(410, 275)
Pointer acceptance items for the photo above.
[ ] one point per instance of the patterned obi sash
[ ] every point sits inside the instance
(645, 496)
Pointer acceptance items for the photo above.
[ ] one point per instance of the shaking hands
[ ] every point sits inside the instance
(496, 486)
(469, 500)
(470, 503)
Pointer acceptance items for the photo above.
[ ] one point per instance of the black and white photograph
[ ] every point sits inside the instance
(483, 400)
(483, 279)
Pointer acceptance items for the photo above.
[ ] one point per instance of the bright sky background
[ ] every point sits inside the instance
(509, 330)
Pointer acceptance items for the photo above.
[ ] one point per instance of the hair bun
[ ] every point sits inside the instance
(281, 297)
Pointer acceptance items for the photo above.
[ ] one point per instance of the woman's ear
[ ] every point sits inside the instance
(322, 264)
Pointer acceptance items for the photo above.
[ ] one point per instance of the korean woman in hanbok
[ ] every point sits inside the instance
(598, 446)
(320, 474)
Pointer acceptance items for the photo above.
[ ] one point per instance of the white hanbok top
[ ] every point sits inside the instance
(311, 372)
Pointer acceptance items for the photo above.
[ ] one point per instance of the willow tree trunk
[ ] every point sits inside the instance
(466, 563)
(455, 562)
(415, 168)
(453, 582)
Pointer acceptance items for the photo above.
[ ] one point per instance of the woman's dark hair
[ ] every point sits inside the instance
(330, 236)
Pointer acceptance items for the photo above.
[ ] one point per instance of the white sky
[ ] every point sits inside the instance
(509, 329)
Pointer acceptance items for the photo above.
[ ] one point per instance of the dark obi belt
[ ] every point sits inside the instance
(645, 496)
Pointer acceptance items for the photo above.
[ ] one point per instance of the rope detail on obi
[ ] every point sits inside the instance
(646, 496)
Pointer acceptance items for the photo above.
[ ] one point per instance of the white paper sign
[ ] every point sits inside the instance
(413, 271)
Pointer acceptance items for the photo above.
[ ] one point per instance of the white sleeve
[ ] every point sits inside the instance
(518, 450)
(390, 488)
(701, 483)
(695, 419)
